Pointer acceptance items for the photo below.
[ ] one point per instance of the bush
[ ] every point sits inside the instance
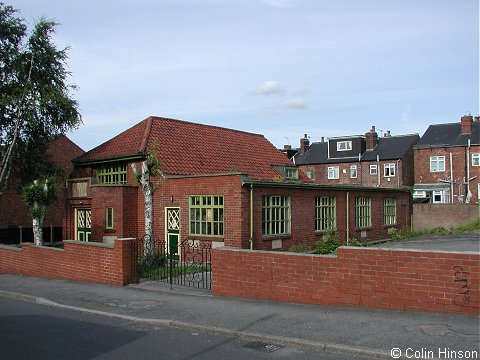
(299, 248)
(354, 242)
(328, 244)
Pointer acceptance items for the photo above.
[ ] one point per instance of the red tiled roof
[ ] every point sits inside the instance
(194, 149)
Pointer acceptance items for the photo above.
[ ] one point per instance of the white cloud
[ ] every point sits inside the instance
(268, 88)
(295, 104)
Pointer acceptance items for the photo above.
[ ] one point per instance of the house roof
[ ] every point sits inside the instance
(187, 148)
(388, 148)
(449, 135)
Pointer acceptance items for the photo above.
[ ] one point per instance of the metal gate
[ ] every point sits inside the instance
(185, 264)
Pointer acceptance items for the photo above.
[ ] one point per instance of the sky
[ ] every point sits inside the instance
(281, 68)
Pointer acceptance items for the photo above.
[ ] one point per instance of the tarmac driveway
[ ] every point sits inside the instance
(457, 242)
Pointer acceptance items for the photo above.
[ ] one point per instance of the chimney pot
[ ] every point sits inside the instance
(322, 139)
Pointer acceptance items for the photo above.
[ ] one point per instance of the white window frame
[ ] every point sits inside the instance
(311, 174)
(344, 145)
(442, 196)
(333, 172)
(353, 171)
(387, 170)
(435, 162)
(419, 194)
(375, 170)
(475, 159)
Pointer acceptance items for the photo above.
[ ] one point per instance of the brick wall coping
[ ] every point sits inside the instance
(350, 248)
(10, 247)
(90, 243)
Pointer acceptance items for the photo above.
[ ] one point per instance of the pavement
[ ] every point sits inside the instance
(372, 333)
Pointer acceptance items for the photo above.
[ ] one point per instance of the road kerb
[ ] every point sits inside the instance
(279, 340)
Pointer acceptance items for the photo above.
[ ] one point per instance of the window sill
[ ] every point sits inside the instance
(367, 228)
(109, 230)
(276, 237)
(324, 232)
(389, 226)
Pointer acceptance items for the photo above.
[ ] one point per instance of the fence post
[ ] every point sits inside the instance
(21, 234)
(51, 235)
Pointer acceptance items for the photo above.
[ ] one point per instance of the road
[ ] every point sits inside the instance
(32, 331)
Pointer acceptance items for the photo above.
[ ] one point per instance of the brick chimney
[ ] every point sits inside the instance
(304, 144)
(371, 138)
(476, 118)
(387, 134)
(466, 123)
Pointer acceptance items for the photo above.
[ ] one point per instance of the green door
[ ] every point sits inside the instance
(83, 225)
(173, 231)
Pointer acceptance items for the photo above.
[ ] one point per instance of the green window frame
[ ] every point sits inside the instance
(112, 175)
(206, 215)
(325, 213)
(363, 212)
(109, 219)
(276, 215)
(389, 211)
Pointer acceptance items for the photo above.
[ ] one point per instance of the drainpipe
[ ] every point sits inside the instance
(251, 217)
(347, 230)
(468, 172)
(398, 173)
(378, 170)
(451, 179)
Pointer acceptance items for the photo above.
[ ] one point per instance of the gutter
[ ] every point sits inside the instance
(299, 185)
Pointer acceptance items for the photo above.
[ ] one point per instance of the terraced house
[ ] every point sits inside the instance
(219, 186)
(361, 160)
(447, 163)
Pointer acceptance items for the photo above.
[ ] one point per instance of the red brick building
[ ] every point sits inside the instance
(13, 212)
(222, 186)
(359, 160)
(447, 163)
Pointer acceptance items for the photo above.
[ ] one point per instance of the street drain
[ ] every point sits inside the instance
(261, 346)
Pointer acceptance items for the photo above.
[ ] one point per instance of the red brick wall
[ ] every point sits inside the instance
(12, 208)
(403, 177)
(428, 216)
(303, 215)
(78, 261)
(176, 192)
(424, 176)
(391, 279)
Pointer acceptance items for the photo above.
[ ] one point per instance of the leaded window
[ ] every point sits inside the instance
(389, 211)
(206, 215)
(112, 175)
(363, 212)
(325, 213)
(276, 215)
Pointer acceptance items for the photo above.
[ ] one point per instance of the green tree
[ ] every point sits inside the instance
(37, 197)
(35, 101)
